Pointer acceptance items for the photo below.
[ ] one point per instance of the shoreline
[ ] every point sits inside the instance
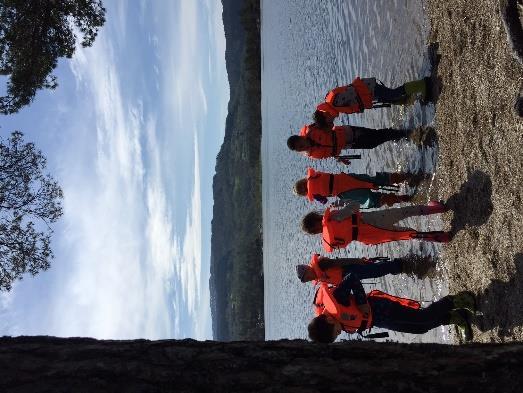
(480, 166)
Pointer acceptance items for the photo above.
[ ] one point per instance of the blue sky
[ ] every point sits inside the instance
(131, 133)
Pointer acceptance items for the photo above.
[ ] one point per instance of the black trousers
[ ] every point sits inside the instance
(390, 315)
(385, 95)
(375, 269)
(369, 138)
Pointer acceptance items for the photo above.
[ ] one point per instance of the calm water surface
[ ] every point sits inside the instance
(308, 47)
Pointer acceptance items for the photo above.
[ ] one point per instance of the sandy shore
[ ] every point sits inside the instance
(480, 167)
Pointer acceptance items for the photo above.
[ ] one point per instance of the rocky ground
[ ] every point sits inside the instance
(480, 166)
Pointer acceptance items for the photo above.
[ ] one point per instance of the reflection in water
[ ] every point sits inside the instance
(308, 47)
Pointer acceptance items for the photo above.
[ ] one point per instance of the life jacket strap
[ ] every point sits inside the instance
(363, 326)
(315, 297)
(355, 227)
(333, 246)
(358, 99)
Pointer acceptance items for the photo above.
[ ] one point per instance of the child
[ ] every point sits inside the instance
(366, 93)
(340, 227)
(347, 308)
(324, 142)
(331, 271)
(360, 188)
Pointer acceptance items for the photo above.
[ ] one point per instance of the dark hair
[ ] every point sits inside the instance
(320, 120)
(300, 185)
(301, 271)
(320, 330)
(291, 142)
(310, 221)
(326, 263)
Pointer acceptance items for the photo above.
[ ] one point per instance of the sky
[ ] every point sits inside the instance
(131, 134)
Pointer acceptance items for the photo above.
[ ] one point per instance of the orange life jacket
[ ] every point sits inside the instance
(328, 184)
(338, 234)
(333, 275)
(325, 143)
(350, 317)
(364, 99)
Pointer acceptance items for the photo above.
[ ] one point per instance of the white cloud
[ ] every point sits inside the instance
(120, 271)
(105, 259)
(123, 268)
(189, 267)
(130, 250)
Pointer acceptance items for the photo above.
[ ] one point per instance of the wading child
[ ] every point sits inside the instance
(367, 93)
(318, 186)
(324, 142)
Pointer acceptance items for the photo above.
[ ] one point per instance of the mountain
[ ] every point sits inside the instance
(236, 281)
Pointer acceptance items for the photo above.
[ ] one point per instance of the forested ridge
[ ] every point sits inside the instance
(236, 281)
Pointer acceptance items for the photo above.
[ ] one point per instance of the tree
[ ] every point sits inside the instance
(49, 364)
(34, 35)
(29, 202)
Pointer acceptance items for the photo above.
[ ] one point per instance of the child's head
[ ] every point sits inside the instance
(300, 187)
(305, 273)
(323, 329)
(297, 143)
(312, 223)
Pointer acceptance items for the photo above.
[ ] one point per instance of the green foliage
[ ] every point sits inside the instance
(29, 202)
(34, 35)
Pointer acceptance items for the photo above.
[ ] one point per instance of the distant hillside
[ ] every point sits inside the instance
(236, 281)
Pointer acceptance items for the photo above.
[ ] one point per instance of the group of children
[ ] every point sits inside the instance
(340, 302)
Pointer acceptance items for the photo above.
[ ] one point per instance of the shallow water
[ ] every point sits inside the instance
(308, 47)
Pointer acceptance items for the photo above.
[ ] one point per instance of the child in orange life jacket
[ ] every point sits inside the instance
(347, 308)
(340, 227)
(319, 142)
(366, 93)
(331, 271)
(360, 188)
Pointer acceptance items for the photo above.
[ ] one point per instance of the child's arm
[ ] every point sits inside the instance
(350, 284)
(327, 263)
(348, 210)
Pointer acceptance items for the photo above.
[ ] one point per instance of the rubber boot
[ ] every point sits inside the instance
(465, 300)
(423, 136)
(435, 236)
(391, 199)
(415, 179)
(461, 319)
(416, 89)
(417, 265)
(399, 177)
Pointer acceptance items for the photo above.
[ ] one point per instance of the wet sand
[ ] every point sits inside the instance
(480, 165)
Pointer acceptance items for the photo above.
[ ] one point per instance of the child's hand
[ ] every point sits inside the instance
(365, 309)
(321, 199)
(338, 203)
(343, 160)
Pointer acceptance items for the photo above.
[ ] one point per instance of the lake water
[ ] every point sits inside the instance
(308, 47)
